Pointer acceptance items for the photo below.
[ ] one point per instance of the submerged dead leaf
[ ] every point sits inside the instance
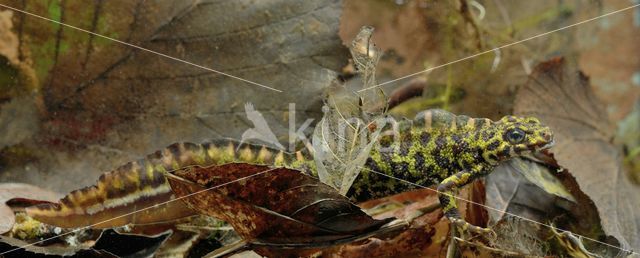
(272, 206)
(523, 187)
(107, 103)
(542, 177)
(516, 202)
(427, 235)
(563, 99)
(130, 245)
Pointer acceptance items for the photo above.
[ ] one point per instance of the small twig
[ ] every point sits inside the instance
(197, 228)
(430, 208)
(412, 89)
(451, 249)
(228, 250)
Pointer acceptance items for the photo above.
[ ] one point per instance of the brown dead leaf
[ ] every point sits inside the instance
(418, 35)
(9, 40)
(508, 190)
(9, 191)
(130, 245)
(107, 103)
(509, 193)
(427, 235)
(562, 97)
(179, 244)
(275, 206)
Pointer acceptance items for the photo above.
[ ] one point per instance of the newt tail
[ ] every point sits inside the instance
(435, 148)
(139, 185)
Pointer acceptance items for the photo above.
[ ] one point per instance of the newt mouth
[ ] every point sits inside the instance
(541, 146)
(546, 145)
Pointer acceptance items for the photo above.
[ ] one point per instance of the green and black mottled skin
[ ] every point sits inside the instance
(435, 148)
(440, 148)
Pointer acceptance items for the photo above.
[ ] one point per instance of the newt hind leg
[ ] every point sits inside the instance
(446, 194)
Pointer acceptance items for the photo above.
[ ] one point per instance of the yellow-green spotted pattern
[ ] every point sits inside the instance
(436, 147)
(440, 148)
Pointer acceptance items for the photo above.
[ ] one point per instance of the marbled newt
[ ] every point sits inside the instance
(436, 147)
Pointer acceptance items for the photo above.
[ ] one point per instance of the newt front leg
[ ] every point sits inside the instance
(447, 192)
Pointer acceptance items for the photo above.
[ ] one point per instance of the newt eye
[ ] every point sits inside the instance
(515, 135)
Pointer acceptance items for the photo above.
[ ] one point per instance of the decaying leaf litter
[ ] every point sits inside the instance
(90, 138)
(585, 147)
(152, 102)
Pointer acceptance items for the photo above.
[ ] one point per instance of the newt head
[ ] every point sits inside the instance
(516, 136)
